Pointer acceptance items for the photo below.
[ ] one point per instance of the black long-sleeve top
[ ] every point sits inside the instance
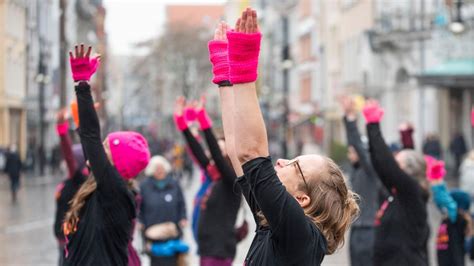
(220, 205)
(402, 230)
(105, 221)
(290, 238)
(363, 178)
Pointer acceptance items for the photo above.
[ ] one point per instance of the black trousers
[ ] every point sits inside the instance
(164, 261)
(362, 246)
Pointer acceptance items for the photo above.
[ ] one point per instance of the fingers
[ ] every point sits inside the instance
(81, 51)
(248, 23)
(76, 50)
(255, 22)
(71, 56)
(88, 53)
(237, 26)
(243, 20)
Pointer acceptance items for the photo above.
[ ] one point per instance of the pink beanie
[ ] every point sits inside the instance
(130, 153)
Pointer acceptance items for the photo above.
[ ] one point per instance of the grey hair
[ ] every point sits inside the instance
(155, 161)
(415, 166)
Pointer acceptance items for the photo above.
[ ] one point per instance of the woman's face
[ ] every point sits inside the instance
(160, 172)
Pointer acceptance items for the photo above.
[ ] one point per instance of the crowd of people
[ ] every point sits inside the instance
(302, 208)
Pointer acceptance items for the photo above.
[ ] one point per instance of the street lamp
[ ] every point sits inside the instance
(457, 25)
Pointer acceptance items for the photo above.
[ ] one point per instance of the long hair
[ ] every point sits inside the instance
(72, 217)
(333, 206)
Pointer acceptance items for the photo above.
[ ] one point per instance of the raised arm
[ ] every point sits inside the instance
(182, 126)
(83, 67)
(221, 163)
(62, 128)
(244, 46)
(388, 170)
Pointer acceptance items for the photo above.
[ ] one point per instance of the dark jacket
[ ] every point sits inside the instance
(363, 178)
(432, 147)
(402, 230)
(161, 204)
(13, 164)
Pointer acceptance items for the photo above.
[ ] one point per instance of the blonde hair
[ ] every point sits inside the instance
(71, 219)
(333, 206)
(156, 161)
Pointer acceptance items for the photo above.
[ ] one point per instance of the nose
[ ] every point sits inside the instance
(281, 163)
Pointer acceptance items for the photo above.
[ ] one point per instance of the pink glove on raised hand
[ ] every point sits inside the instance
(204, 120)
(84, 68)
(472, 117)
(218, 56)
(189, 114)
(243, 56)
(180, 122)
(435, 170)
(373, 113)
(62, 128)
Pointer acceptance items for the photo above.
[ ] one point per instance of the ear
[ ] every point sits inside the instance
(303, 199)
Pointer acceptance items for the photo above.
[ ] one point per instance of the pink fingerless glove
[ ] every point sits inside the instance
(435, 170)
(189, 114)
(83, 68)
(472, 117)
(372, 113)
(218, 56)
(243, 56)
(204, 120)
(62, 128)
(180, 122)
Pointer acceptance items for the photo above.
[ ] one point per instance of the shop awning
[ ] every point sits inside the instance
(457, 73)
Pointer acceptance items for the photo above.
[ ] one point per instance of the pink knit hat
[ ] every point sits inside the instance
(130, 153)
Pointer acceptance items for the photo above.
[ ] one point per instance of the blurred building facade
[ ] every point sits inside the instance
(394, 51)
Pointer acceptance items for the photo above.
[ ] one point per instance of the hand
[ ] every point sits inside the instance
(61, 116)
(220, 32)
(248, 22)
(201, 104)
(82, 65)
(435, 170)
(372, 111)
(179, 106)
(349, 108)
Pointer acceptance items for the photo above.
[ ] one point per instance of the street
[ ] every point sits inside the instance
(27, 237)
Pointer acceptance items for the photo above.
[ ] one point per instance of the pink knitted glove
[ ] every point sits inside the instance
(243, 56)
(373, 113)
(218, 56)
(435, 170)
(62, 128)
(83, 68)
(472, 117)
(204, 120)
(180, 122)
(189, 114)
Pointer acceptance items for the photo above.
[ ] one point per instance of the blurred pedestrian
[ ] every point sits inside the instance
(456, 225)
(77, 174)
(432, 147)
(364, 181)
(13, 167)
(466, 174)
(458, 148)
(217, 203)
(302, 207)
(163, 205)
(406, 135)
(402, 229)
(99, 223)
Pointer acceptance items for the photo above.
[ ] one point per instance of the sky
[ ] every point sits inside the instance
(131, 21)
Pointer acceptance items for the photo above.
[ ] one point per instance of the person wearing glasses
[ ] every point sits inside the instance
(303, 206)
(402, 230)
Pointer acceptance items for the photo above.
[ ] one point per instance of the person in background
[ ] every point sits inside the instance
(458, 148)
(13, 166)
(163, 206)
(402, 229)
(466, 174)
(364, 181)
(432, 147)
(456, 225)
(406, 136)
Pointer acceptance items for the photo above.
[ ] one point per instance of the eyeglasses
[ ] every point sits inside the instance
(297, 163)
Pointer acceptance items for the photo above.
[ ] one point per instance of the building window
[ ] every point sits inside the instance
(305, 48)
(305, 89)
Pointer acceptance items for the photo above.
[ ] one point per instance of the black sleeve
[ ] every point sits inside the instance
(90, 135)
(391, 175)
(196, 149)
(354, 139)
(227, 172)
(249, 197)
(291, 229)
